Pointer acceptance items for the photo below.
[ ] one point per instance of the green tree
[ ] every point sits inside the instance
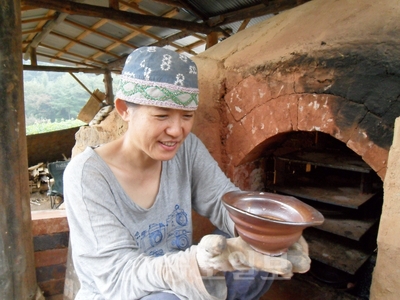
(56, 96)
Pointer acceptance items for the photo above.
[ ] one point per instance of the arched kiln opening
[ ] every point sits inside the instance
(324, 173)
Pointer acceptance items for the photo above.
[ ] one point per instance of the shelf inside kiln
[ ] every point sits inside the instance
(346, 191)
(336, 252)
(350, 197)
(330, 160)
(349, 228)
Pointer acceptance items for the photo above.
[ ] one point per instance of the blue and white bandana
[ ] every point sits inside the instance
(159, 77)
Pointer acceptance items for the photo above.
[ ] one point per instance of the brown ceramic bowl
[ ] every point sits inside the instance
(268, 222)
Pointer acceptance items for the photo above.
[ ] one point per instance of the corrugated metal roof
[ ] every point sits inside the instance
(90, 34)
(211, 8)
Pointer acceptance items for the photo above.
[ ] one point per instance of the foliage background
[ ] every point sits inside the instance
(53, 99)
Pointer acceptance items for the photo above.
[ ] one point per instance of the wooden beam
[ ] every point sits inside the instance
(174, 3)
(123, 6)
(85, 44)
(244, 24)
(191, 8)
(35, 30)
(38, 27)
(212, 39)
(153, 36)
(45, 18)
(134, 6)
(74, 8)
(50, 57)
(46, 30)
(113, 4)
(108, 87)
(85, 88)
(117, 64)
(84, 58)
(32, 55)
(92, 30)
(81, 37)
(182, 4)
(171, 38)
(197, 44)
(64, 69)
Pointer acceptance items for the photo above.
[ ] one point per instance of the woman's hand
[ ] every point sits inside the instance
(216, 253)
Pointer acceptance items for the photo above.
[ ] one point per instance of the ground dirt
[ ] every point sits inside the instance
(40, 201)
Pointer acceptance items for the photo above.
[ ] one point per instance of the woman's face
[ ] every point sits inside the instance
(157, 131)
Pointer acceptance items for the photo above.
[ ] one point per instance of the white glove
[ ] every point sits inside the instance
(297, 254)
(216, 253)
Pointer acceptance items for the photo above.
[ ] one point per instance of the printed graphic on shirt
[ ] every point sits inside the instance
(170, 236)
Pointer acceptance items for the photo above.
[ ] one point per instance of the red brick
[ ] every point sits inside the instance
(52, 272)
(49, 221)
(258, 126)
(56, 297)
(52, 287)
(51, 257)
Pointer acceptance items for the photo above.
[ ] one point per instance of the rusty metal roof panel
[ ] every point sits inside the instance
(212, 8)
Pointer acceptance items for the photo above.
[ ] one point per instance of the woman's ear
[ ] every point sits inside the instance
(122, 109)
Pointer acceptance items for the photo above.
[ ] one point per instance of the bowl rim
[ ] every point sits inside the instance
(319, 218)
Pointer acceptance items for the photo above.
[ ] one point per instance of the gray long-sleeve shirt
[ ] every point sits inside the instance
(123, 251)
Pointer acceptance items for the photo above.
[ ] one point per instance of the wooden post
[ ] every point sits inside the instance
(109, 88)
(17, 270)
(33, 56)
(212, 39)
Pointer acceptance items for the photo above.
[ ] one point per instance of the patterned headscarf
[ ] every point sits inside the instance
(159, 77)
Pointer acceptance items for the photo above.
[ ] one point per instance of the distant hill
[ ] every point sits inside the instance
(55, 96)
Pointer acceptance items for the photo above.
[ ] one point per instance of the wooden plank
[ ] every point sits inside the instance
(349, 228)
(350, 197)
(52, 58)
(346, 256)
(64, 69)
(330, 160)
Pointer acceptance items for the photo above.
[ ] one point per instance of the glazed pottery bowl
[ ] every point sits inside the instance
(268, 222)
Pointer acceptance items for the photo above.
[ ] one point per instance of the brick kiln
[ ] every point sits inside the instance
(304, 104)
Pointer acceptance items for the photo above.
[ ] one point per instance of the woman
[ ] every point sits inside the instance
(129, 201)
